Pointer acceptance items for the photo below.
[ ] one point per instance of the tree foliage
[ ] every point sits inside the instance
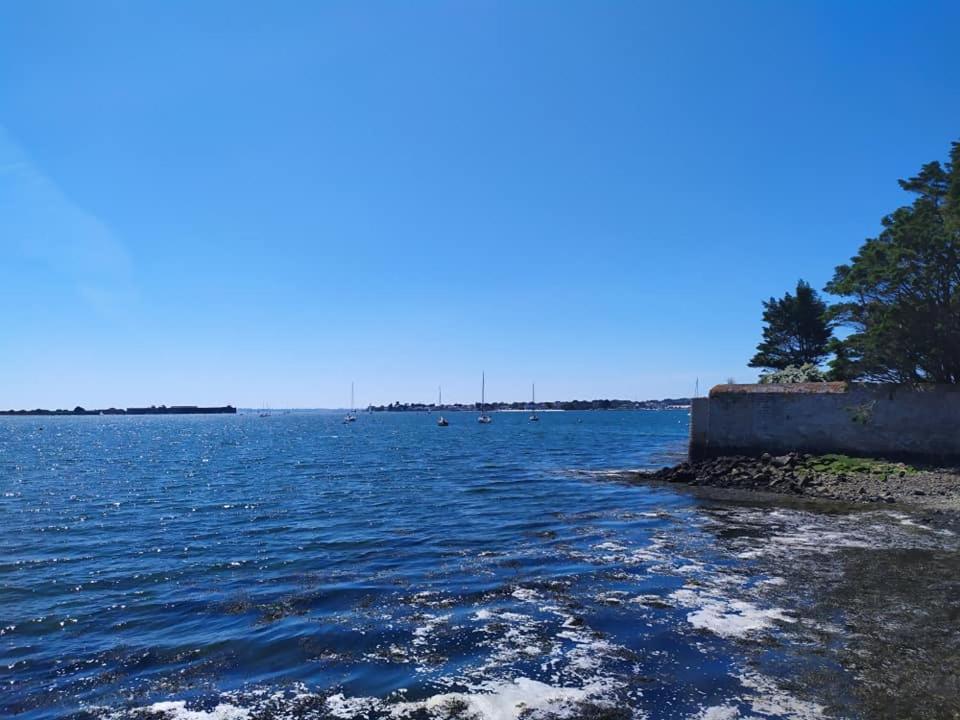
(902, 289)
(796, 331)
(793, 374)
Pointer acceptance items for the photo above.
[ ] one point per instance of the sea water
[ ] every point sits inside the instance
(293, 566)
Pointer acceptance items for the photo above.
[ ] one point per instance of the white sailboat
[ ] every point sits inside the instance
(441, 421)
(484, 418)
(351, 416)
(533, 403)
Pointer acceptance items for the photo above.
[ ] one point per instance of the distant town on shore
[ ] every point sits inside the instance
(666, 404)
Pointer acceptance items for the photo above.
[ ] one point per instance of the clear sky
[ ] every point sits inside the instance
(254, 202)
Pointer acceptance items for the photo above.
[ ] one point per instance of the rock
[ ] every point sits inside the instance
(787, 473)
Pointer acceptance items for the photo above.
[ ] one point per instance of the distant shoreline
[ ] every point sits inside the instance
(667, 404)
(152, 410)
(548, 407)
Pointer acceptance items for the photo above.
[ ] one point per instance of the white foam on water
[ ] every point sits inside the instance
(770, 699)
(505, 646)
(766, 699)
(178, 710)
(280, 705)
(616, 547)
(908, 521)
(421, 635)
(811, 539)
(771, 582)
(572, 655)
(504, 701)
(352, 707)
(494, 700)
(717, 712)
(525, 594)
(810, 534)
(727, 617)
(611, 597)
(744, 619)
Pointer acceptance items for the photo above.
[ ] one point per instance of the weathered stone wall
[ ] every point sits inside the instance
(859, 419)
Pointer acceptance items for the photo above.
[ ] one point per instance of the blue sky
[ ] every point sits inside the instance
(257, 203)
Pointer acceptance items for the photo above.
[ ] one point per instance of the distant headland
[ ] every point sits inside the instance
(666, 404)
(152, 410)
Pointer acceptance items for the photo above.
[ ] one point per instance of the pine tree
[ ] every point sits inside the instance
(796, 331)
(903, 288)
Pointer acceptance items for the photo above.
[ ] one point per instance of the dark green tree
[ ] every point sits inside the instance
(902, 289)
(796, 331)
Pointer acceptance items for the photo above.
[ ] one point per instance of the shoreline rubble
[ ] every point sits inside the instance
(830, 477)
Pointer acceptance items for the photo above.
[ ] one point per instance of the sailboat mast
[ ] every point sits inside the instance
(483, 392)
(351, 397)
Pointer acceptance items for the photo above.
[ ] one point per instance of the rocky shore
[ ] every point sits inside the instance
(833, 477)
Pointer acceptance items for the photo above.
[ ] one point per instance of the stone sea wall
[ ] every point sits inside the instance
(896, 421)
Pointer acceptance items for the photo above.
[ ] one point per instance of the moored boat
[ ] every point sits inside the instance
(484, 419)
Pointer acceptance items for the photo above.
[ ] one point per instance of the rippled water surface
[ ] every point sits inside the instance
(292, 566)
